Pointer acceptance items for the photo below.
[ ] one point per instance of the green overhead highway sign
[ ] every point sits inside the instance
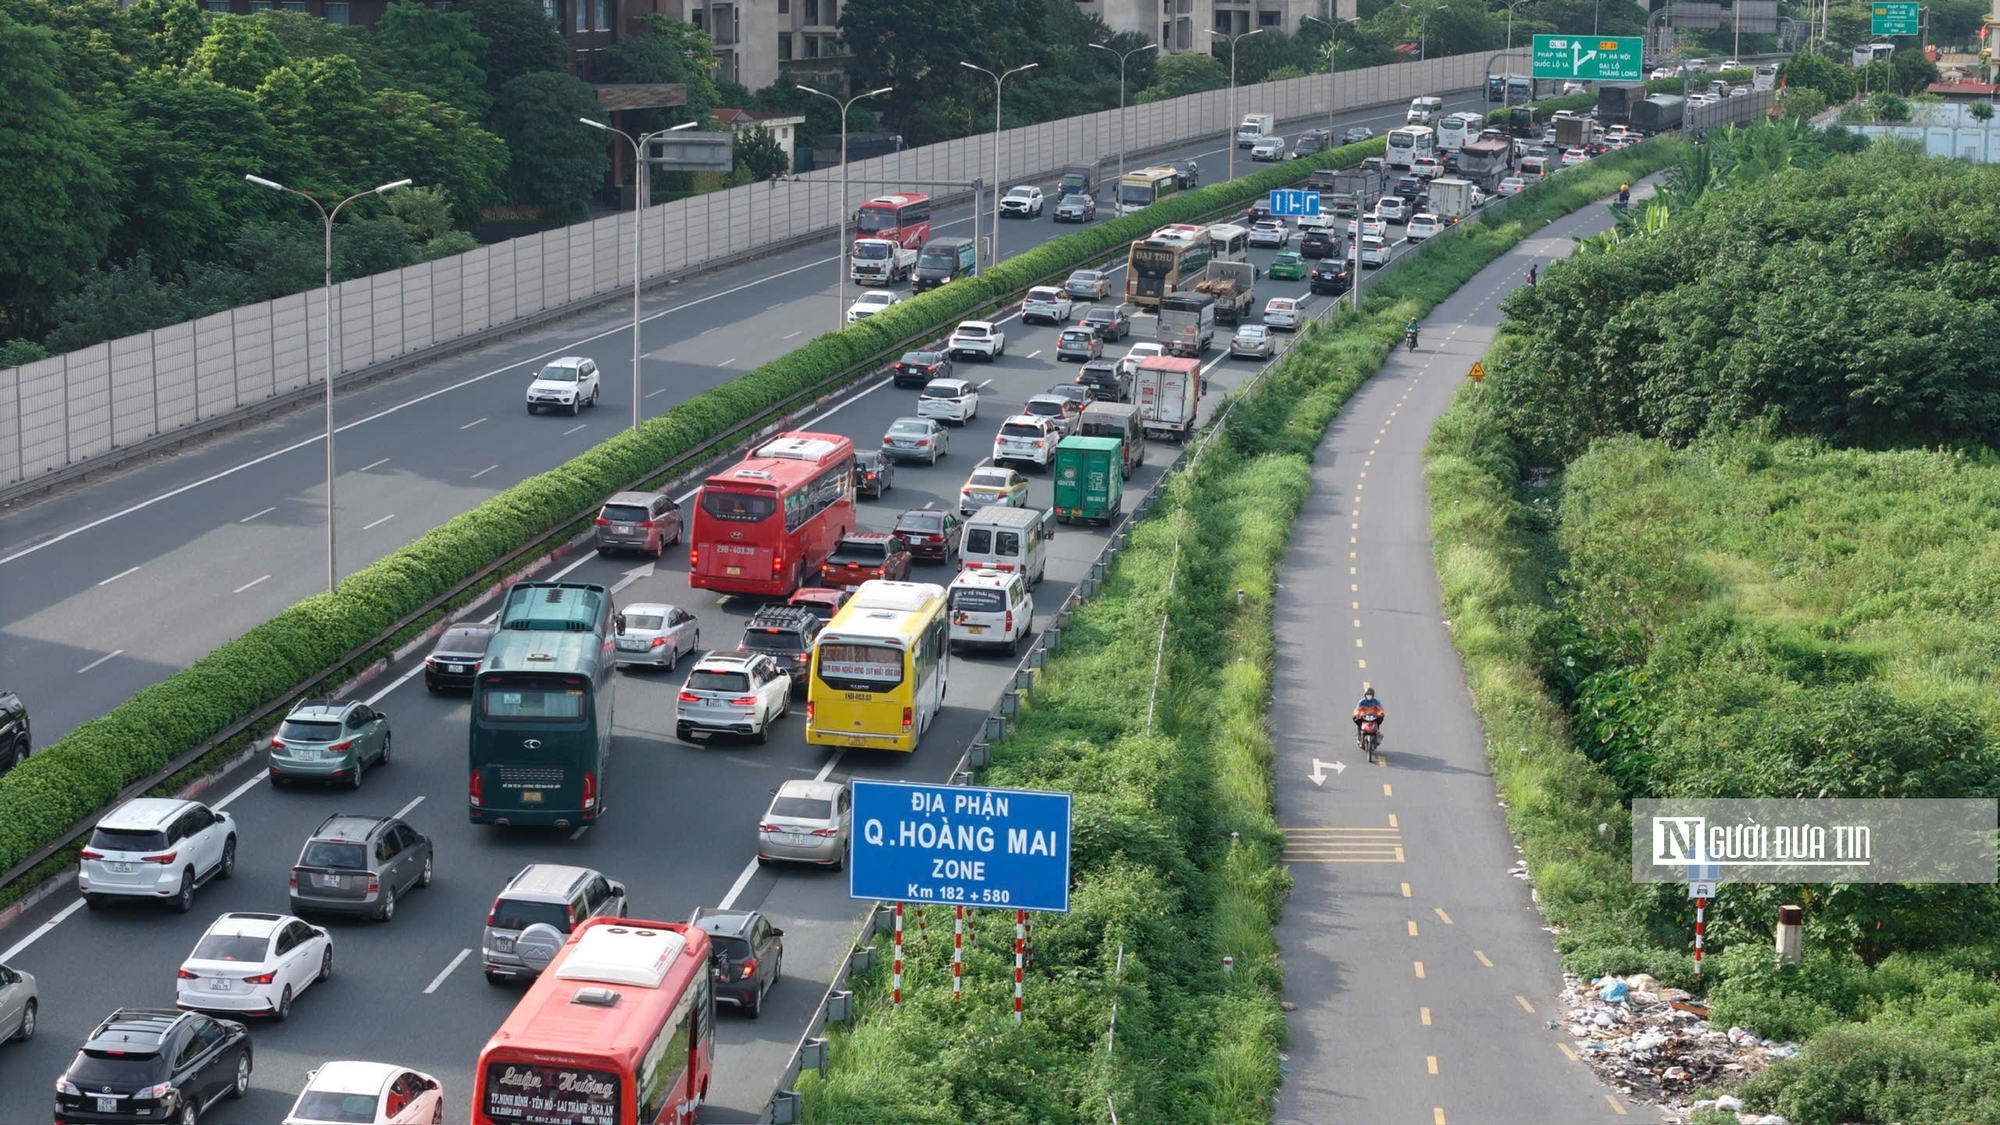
(1894, 17)
(1590, 58)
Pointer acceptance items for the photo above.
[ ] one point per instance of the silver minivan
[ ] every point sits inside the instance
(554, 893)
(648, 522)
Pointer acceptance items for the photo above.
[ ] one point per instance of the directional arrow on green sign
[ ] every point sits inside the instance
(1894, 17)
(1590, 58)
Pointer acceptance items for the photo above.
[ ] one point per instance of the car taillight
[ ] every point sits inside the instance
(689, 697)
(644, 525)
(824, 831)
(1010, 621)
(341, 747)
(590, 789)
(155, 1093)
(429, 662)
(294, 881)
(744, 701)
(185, 975)
(602, 522)
(658, 641)
(88, 854)
(1006, 566)
(694, 557)
(909, 717)
(493, 912)
(167, 858)
(777, 564)
(265, 979)
(374, 883)
(921, 442)
(473, 790)
(934, 538)
(749, 967)
(769, 828)
(1038, 443)
(279, 743)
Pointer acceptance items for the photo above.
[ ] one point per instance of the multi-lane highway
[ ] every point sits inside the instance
(679, 831)
(112, 586)
(1417, 961)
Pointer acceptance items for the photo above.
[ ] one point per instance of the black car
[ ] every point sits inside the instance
(1321, 179)
(1319, 244)
(14, 734)
(874, 474)
(749, 955)
(1356, 134)
(455, 660)
(1328, 276)
(154, 1064)
(1312, 142)
(1076, 208)
(1107, 380)
(1110, 321)
(931, 534)
(785, 634)
(918, 368)
(1187, 172)
(1409, 187)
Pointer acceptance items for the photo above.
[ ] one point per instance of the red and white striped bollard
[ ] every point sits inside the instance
(1020, 948)
(957, 953)
(1698, 904)
(896, 997)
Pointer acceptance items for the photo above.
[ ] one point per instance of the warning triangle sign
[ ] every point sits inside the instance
(1477, 373)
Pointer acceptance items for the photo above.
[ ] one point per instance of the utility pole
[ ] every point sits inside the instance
(1231, 135)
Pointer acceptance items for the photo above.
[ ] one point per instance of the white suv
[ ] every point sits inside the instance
(977, 337)
(1045, 302)
(990, 607)
(569, 383)
(733, 693)
(948, 400)
(1026, 439)
(1024, 202)
(157, 848)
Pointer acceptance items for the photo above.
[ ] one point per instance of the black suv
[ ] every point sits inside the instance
(785, 634)
(1106, 379)
(14, 744)
(154, 1064)
(1410, 187)
(1319, 244)
(1329, 276)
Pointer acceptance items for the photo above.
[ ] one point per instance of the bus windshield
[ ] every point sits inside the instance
(875, 219)
(738, 507)
(1135, 195)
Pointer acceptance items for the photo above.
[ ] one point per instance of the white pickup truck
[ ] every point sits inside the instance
(879, 261)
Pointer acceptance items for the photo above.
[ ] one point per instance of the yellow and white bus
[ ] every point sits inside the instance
(1143, 188)
(879, 668)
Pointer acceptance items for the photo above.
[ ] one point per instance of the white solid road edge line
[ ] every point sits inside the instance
(455, 963)
(41, 931)
(405, 810)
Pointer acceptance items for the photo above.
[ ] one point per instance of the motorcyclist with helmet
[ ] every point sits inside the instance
(1370, 708)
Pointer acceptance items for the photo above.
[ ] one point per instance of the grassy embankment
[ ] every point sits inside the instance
(1175, 852)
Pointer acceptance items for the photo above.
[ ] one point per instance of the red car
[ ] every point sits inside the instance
(865, 556)
(823, 601)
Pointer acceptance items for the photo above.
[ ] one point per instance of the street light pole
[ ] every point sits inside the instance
(998, 79)
(1507, 87)
(326, 219)
(1122, 56)
(639, 193)
(1231, 136)
(1331, 44)
(1423, 29)
(841, 246)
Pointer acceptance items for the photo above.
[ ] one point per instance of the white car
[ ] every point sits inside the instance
(1045, 302)
(1269, 232)
(915, 439)
(1423, 225)
(1268, 149)
(1730, 64)
(989, 607)
(1427, 167)
(1282, 312)
(733, 693)
(157, 848)
(1374, 251)
(1512, 185)
(948, 400)
(1391, 209)
(339, 1093)
(254, 964)
(1022, 202)
(1664, 72)
(871, 302)
(1479, 196)
(1575, 156)
(568, 384)
(1571, 89)
(1129, 362)
(982, 338)
(1362, 226)
(1026, 439)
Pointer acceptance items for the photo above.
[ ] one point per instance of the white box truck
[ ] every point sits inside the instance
(1168, 391)
(880, 261)
(1451, 199)
(1255, 127)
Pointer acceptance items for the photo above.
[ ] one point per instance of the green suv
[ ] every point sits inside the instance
(329, 740)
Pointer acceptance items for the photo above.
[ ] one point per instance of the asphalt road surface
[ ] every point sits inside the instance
(679, 829)
(113, 586)
(1420, 970)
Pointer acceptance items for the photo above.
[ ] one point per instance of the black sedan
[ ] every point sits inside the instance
(1356, 134)
(917, 369)
(1076, 208)
(455, 660)
(1187, 172)
(874, 474)
(1109, 322)
(1328, 276)
(15, 739)
(1319, 244)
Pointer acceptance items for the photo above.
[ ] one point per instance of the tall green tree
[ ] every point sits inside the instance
(1817, 72)
(520, 40)
(1188, 72)
(53, 183)
(668, 50)
(173, 27)
(915, 46)
(557, 163)
(435, 53)
(185, 142)
(759, 156)
(401, 135)
(239, 51)
(99, 46)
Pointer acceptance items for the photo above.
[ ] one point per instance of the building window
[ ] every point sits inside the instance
(784, 7)
(812, 13)
(604, 22)
(784, 46)
(218, 5)
(295, 5)
(1223, 23)
(582, 14)
(1267, 19)
(260, 5)
(549, 10)
(336, 13)
(832, 18)
(812, 46)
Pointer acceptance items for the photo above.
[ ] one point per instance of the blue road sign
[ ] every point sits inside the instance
(1285, 201)
(960, 845)
(1704, 872)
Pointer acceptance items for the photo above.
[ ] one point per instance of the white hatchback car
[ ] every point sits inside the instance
(1282, 312)
(567, 384)
(1045, 302)
(989, 607)
(339, 1093)
(871, 302)
(1026, 439)
(977, 337)
(949, 400)
(1512, 185)
(1362, 226)
(1422, 225)
(733, 693)
(1269, 233)
(157, 848)
(254, 964)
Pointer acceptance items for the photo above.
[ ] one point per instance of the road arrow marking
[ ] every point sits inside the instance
(1319, 770)
(632, 576)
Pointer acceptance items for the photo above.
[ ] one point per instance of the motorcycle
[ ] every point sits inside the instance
(1368, 736)
(1410, 338)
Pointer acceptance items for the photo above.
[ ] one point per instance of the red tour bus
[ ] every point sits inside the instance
(905, 218)
(619, 1029)
(765, 524)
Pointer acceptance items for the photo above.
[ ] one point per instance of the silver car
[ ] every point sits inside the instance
(1255, 341)
(552, 893)
(733, 693)
(808, 822)
(17, 1004)
(656, 635)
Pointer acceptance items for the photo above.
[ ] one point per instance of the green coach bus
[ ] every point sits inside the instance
(541, 708)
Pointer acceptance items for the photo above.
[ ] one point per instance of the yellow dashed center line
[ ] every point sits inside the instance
(1393, 824)
(1385, 790)
(1615, 1107)
(1442, 916)
(1564, 1048)
(1525, 1006)
(1425, 1015)
(1406, 890)
(1413, 927)
(1482, 958)
(1431, 1063)
(1420, 970)
(1437, 1115)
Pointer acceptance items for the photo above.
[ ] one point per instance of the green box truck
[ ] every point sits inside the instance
(1090, 478)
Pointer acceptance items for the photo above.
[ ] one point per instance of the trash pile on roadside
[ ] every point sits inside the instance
(1656, 1045)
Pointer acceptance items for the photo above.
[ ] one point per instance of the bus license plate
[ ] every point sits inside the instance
(532, 797)
(733, 570)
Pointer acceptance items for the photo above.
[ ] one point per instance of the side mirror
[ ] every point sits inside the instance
(617, 889)
(776, 932)
(619, 622)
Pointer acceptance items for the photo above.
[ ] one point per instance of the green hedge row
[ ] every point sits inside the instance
(85, 769)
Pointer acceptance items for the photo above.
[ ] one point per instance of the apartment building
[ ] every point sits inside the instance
(755, 39)
(1180, 25)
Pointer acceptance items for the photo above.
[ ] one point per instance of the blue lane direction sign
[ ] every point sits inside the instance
(1291, 201)
(960, 845)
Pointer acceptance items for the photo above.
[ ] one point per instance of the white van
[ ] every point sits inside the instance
(1255, 127)
(1228, 242)
(1007, 540)
(989, 607)
(1423, 111)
